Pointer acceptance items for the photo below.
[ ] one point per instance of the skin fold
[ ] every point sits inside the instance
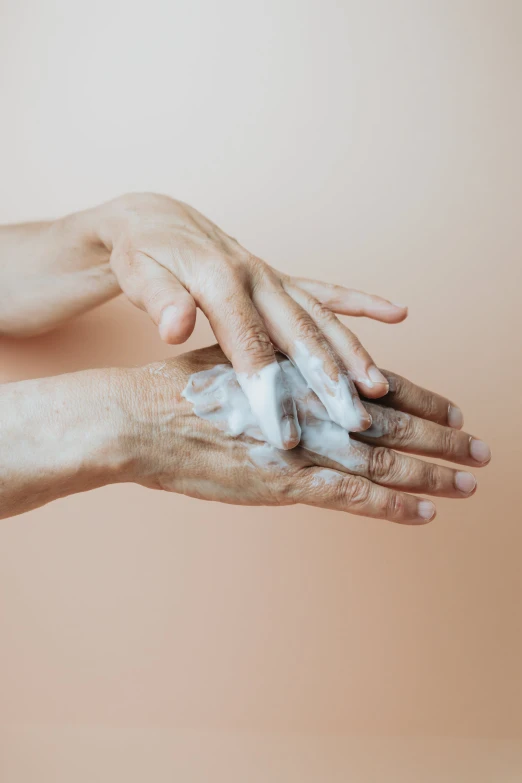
(170, 260)
(84, 430)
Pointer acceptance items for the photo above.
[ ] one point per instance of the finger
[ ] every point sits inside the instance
(347, 301)
(360, 365)
(409, 433)
(243, 338)
(295, 333)
(154, 289)
(406, 396)
(330, 489)
(383, 465)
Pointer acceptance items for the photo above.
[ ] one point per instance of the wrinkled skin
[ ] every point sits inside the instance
(170, 260)
(181, 452)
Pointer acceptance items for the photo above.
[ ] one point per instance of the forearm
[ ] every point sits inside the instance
(52, 271)
(61, 435)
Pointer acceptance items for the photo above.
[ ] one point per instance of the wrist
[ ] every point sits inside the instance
(155, 422)
(60, 436)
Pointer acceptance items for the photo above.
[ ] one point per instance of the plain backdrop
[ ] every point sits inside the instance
(376, 144)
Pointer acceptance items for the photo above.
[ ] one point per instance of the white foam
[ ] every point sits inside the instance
(266, 391)
(217, 396)
(337, 396)
(325, 477)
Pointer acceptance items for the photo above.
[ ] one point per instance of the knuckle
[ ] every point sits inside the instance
(382, 464)
(218, 274)
(354, 491)
(262, 278)
(431, 478)
(394, 506)
(320, 313)
(257, 266)
(401, 427)
(305, 327)
(286, 491)
(254, 341)
(223, 271)
(449, 439)
(429, 407)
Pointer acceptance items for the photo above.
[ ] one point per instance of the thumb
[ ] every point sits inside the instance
(154, 289)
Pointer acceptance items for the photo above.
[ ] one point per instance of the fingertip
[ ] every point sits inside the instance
(397, 313)
(465, 482)
(402, 313)
(177, 322)
(373, 391)
(455, 417)
(426, 511)
(290, 433)
(479, 451)
(374, 385)
(272, 405)
(389, 314)
(365, 422)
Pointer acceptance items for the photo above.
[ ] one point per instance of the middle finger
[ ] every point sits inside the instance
(403, 431)
(391, 469)
(294, 332)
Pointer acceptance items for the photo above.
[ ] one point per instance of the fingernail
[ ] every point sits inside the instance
(376, 376)
(344, 406)
(426, 510)
(479, 450)
(465, 482)
(364, 421)
(403, 307)
(455, 417)
(272, 405)
(392, 385)
(291, 432)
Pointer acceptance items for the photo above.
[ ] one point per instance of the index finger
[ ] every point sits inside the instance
(410, 398)
(243, 338)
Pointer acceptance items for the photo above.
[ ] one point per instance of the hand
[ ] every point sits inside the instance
(192, 440)
(169, 259)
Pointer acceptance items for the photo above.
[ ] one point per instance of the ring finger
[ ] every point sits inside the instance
(409, 433)
(387, 467)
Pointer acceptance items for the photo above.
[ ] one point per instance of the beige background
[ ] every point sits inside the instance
(377, 144)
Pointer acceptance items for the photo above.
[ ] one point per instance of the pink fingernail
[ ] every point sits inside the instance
(291, 432)
(455, 417)
(426, 510)
(479, 450)
(365, 420)
(465, 482)
(376, 376)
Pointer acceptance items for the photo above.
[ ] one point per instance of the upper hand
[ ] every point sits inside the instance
(170, 259)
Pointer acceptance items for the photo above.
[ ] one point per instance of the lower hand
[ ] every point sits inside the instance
(180, 451)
